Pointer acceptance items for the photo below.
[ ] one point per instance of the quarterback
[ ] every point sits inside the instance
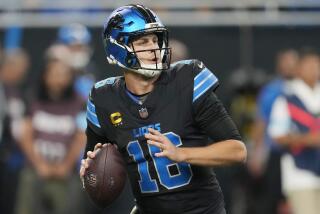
(165, 119)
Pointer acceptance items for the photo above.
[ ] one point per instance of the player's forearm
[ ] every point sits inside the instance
(218, 154)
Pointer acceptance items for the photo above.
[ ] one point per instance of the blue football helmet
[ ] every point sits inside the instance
(128, 23)
(74, 34)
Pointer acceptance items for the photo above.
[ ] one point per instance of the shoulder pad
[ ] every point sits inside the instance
(184, 62)
(204, 80)
(108, 81)
(185, 66)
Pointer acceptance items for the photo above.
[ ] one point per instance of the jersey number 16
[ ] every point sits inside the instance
(162, 164)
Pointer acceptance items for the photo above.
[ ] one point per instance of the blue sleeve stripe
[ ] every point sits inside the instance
(93, 119)
(202, 82)
(204, 86)
(201, 76)
(91, 114)
(91, 107)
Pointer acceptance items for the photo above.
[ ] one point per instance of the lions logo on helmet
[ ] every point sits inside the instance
(128, 23)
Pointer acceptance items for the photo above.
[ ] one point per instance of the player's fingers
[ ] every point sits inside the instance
(98, 145)
(153, 131)
(88, 153)
(160, 154)
(83, 164)
(87, 162)
(152, 137)
(159, 145)
(160, 137)
(91, 154)
(82, 168)
(82, 171)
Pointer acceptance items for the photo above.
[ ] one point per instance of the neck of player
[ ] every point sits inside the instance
(137, 84)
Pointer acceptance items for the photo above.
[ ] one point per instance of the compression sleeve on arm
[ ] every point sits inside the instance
(212, 117)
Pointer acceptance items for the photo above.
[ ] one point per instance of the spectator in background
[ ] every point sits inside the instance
(264, 158)
(286, 64)
(52, 141)
(77, 38)
(179, 50)
(3, 113)
(3, 110)
(294, 125)
(12, 72)
(244, 84)
(58, 52)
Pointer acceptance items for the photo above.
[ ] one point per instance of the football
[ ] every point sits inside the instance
(106, 176)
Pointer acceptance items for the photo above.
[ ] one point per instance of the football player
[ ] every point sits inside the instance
(166, 121)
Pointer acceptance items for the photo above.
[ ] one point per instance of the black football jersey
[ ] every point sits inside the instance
(183, 107)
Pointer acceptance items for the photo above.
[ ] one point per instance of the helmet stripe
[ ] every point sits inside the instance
(153, 19)
(145, 13)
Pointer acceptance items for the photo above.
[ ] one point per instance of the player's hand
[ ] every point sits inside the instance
(86, 162)
(168, 149)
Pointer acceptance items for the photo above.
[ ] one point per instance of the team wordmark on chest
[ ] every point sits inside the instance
(140, 132)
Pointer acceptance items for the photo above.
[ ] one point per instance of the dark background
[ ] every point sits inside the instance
(222, 49)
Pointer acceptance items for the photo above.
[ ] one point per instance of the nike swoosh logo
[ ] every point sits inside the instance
(201, 65)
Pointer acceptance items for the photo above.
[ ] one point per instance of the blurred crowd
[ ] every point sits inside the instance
(279, 121)
(42, 132)
(43, 126)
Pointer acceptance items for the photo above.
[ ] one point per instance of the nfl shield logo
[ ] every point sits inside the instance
(143, 113)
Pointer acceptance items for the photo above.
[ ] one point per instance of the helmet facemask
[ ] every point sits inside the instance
(132, 61)
(161, 55)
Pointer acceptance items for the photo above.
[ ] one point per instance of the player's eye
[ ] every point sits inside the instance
(155, 40)
(142, 42)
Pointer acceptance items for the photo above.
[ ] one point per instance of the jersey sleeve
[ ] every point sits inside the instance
(94, 131)
(211, 116)
(204, 81)
(92, 140)
(92, 118)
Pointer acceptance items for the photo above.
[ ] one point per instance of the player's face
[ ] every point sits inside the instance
(147, 42)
